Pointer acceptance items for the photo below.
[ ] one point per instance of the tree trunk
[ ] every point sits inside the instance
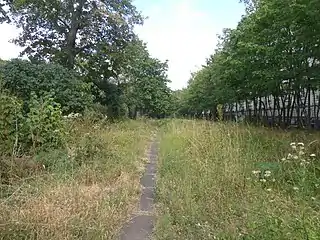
(71, 51)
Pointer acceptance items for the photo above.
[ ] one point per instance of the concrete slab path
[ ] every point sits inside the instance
(141, 225)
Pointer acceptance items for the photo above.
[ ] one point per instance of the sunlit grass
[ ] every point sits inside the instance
(224, 181)
(86, 191)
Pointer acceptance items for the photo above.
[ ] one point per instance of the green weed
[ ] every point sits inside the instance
(226, 181)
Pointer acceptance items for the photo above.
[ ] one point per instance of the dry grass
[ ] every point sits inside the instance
(206, 189)
(87, 191)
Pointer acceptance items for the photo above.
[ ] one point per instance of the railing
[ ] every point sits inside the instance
(299, 109)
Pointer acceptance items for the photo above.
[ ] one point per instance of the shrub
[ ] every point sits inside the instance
(10, 120)
(41, 127)
(44, 123)
(69, 90)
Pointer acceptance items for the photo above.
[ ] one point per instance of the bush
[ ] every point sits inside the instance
(69, 90)
(10, 120)
(41, 127)
(44, 123)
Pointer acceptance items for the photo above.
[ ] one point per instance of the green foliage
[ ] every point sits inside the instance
(96, 40)
(40, 128)
(10, 121)
(138, 84)
(69, 90)
(228, 181)
(44, 123)
(75, 30)
(273, 51)
(146, 88)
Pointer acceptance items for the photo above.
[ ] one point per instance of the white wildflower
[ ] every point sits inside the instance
(312, 155)
(295, 157)
(301, 144)
(292, 144)
(263, 180)
(267, 173)
(255, 172)
(289, 156)
(269, 190)
(313, 198)
(295, 188)
(294, 147)
(283, 159)
(273, 180)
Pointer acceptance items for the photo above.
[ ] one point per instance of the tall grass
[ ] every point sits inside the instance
(86, 191)
(224, 181)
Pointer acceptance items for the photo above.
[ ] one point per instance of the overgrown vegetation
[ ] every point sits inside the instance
(83, 191)
(70, 165)
(66, 172)
(226, 181)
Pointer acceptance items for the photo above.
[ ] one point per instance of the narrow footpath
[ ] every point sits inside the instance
(141, 225)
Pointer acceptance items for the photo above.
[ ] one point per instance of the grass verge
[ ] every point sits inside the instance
(86, 191)
(225, 181)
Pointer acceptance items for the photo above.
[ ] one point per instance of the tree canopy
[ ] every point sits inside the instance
(273, 54)
(94, 40)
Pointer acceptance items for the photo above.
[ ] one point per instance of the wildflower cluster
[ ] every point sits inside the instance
(301, 167)
(296, 169)
(298, 154)
(264, 176)
(73, 116)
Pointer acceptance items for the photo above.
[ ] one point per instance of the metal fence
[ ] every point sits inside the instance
(297, 109)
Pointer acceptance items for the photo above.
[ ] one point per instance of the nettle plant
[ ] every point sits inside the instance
(298, 173)
(10, 121)
(44, 122)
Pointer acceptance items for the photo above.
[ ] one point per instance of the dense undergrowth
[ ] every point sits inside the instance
(225, 181)
(85, 189)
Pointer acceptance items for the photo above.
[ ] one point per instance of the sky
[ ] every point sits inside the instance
(184, 32)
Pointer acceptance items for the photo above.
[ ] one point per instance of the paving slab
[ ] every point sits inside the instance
(147, 199)
(140, 227)
(148, 180)
(151, 168)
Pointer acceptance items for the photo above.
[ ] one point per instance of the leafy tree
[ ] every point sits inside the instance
(22, 78)
(146, 82)
(67, 31)
(272, 56)
(96, 39)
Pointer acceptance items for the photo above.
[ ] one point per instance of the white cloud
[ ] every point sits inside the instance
(178, 32)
